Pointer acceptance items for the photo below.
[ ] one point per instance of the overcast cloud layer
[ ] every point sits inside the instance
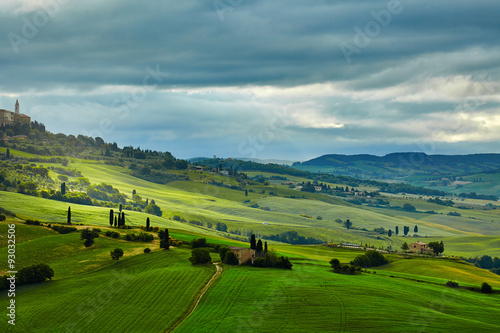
(259, 79)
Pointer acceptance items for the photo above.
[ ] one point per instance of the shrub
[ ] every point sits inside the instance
(142, 237)
(32, 222)
(147, 250)
(112, 234)
(452, 284)
(63, 230)
(3, 217)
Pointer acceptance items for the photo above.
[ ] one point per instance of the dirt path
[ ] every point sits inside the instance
(198, 299)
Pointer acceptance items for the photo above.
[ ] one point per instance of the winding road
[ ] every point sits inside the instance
(198, 299)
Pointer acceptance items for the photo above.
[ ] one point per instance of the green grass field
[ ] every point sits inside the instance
(150, 292)
(311, 298)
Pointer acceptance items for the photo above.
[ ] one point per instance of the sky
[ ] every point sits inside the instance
(258, 79)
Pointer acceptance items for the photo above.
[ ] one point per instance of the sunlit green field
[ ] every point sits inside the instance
(311, 298)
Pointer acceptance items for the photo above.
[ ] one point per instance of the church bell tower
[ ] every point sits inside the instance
(17, 106)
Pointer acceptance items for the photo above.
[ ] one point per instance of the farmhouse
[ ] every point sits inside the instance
(9, 117)
(318, 188)
(243, 254)
(419, 247)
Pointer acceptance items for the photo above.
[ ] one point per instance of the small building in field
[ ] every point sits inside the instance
(420, 247)
(318, 188)
(243, 254)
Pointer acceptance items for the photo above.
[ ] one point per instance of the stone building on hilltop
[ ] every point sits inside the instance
(9, 117)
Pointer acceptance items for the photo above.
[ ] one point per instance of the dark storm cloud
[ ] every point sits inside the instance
(360, 73)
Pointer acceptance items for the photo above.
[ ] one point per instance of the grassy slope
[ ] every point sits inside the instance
(312, 299)
(145, 293)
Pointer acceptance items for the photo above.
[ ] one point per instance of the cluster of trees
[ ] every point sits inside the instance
(200, 256)
(28, 275)
(344, 268)
(105, 192)
(371, 258)
(474, 195)
(227, 256)
(486, 262)
(436, 247)
(292, 237)
(448, 203)
(272, 260)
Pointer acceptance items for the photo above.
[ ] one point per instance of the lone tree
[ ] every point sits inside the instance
(348, 224)
(88, 235)
(405, 246)
(389, 233)
(397, 230)
(335, 263)
(253, 244)
(406, 230)
(111, 217)
(437, 247)
(486, 288)
(409, 207)
(69, 215)
(415, 230)
(147, 223)
(259, 248)
(246, 193)
(116, 254)
(63, 188)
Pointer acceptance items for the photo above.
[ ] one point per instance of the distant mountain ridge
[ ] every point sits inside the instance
(404, 157)
(450, 173)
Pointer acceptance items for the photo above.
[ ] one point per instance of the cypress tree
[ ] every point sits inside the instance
(111, 214)
(63, 188)
(147, 223)
(246, 193)
(259, 246)
(253, 244)
(116, 221)
(120, 208)
(265, 247)
(7, 154)
(415, 230)
(397, 230)
(123, 218)
(69, 214)
(147, 201)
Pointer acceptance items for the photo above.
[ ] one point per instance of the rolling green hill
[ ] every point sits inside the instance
(151, 292)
